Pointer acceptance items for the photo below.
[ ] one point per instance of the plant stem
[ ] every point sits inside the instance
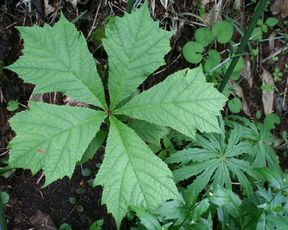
(130, 5)
(259, 10)
(3, 225)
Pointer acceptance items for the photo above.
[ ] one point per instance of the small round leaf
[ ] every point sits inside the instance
(86, 172)
(203, 36)
(271, 22)
(192, 52)
(72, 200)
(80, 208)
(213, 59)
(12, 106)
(235, 105)
(65, 227)
(80, 191)
(256, 34)
(223, 31)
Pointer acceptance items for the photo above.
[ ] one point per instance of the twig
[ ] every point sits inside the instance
(40, 178)
(277, 51)
(94, 21)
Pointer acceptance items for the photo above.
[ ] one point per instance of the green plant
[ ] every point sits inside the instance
(257, 140)
(235, 105)
(266, 87)
(3, 224)
(193, 50)
(263, 27)
(12, 106)
(216, 159)
(96, 225)
(222, 31)
(277, 74)
(54, 138)
(222, 204)
(65, 226)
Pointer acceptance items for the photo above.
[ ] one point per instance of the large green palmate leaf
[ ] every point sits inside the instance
(135, 46)
(131, 174)
(184, 102)
(53, 138)
(56, 59)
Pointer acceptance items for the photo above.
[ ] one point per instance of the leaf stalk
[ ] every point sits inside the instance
(3, 225)
(259, 10)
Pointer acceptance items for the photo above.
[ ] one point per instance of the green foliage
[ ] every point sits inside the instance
(257, 141)
(147, 219)
(213, 59)
(149, 132)
(65, 226)
(96, 225)
(271, 21)
(228, 204)
(277, 74)
(56, 59)
(257, 34)
(183, 101)
(271, 120)
(12, 106)
(94, 145)
(216, 161)
(137, 45)
(223, 31)
(263, 27)
(203, 36)
(5, 197)
(130, 164)
(237, 70)
(54, 138)
(235, 105)
(192, 52)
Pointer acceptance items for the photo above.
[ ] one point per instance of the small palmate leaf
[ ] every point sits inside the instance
(184, 102)
(53, 138)
(132, 176)
(136, 47)
(217, 163)
(56, 59)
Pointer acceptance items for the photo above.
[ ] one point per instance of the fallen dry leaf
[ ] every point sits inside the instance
(48, 8)
(246, 72)
(239, 93)
(71, 102)
(280, 7)
(38, 97)
(272, 40)
(215, 13)
(42, 221)
(267, 96)
(237, 4)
